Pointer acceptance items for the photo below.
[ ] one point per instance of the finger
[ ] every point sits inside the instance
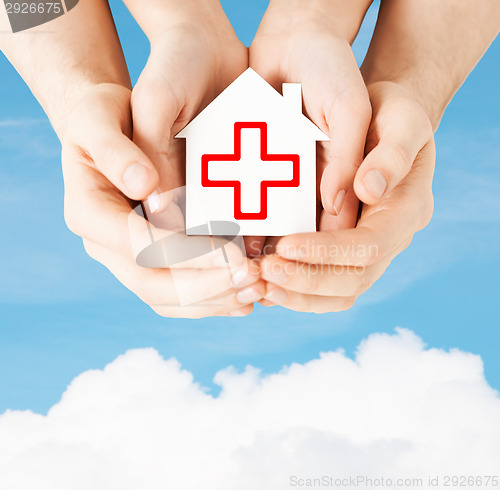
(167, 95)
(348, 213)
(171, 288)
(254, 245)
(265, 302)
(95, 210)
(197, 312)
(304, 302)
(155, 109)
(347, 217)
(320, 279)
(335, 99)
(226, 305)
(359, 247)
(403, 129)
(308, 299)
(338, 103)
(161, 248)
(348, 120)
(102, 133)
(380, 230)
(240, 312)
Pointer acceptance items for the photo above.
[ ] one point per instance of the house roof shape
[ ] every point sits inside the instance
(251, 87)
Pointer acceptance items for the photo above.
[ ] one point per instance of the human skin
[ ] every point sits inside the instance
(86, 94)
(309, 42)
(195, 55)
(420, 54)
(427, 48)
(55, 66)
(328, 270)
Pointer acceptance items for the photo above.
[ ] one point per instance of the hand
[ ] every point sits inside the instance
(192, 60)
(104, 173)
(326, 271)
(301, 44)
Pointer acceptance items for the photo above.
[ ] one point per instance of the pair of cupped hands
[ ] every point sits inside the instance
(119, 149)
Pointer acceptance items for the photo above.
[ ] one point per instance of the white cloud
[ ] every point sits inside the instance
(397, 409)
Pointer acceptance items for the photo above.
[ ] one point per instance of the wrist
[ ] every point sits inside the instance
(59, 91)
(433, 104)
(61, 66)
(338, 17)
(207, 17)
(60, 112)
(400, 93)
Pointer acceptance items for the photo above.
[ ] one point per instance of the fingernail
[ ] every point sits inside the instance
(154, 201)
(247, 296)
(277, 295)
(375, 183)
(240, 312)
(266, 303)
(339, 202)
(136, 179)
(241, 278)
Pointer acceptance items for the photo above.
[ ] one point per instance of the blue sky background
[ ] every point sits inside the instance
(61, 313)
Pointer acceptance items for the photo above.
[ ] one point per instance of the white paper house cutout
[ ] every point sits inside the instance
(251, 160)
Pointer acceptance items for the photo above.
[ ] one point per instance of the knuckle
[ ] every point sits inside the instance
(300, 302)
(398, 159)
(427, 125)
(370, 256)
(137, 95)
(315, 277)
(106, 154)
(141, 101)
(347, 303)
(363, 108)
(209, 291)
(103, 153)
(365, 282)
(334, 305)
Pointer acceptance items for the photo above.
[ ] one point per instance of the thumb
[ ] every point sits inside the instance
(155, 109)
(99, 131)
(159, 109)
(348, 121)
(403, 129)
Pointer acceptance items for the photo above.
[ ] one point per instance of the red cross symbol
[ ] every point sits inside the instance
(258, 171)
